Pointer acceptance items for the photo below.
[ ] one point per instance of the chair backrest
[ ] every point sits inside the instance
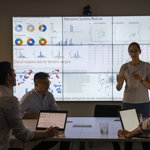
(106, 110)
(31, 116)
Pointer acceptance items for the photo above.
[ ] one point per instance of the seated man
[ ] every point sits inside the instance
(10, 114)
(40, 99)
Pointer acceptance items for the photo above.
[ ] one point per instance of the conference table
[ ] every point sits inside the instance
(86, 133)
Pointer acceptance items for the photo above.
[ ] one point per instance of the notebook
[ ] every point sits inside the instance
(52, 118)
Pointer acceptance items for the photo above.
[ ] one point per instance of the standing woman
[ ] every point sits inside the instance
(137, 78)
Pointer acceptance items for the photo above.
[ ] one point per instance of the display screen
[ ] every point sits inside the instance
(129, 119)
(47, 120)
(82, 55)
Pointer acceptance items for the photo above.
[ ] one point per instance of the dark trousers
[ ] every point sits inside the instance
(45, 145)
(143, 109)
(128, 145)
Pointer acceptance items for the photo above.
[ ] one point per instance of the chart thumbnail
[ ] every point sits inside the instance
(18, 42)
(30, 42)
(42, 28)
(42, 41)
(18, 28)
(30, 28)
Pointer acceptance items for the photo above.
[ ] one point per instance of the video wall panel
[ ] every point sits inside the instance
(82, 55)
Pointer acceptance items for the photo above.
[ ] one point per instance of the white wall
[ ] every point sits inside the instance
(14, 8)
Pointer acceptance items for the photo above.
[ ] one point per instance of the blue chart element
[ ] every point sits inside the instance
(26, 91)
(20, 76)
(70, 42)
(65, 43)
(18, 28)
(58, 89)
(58, 55)
(30, 42)
(21, 55)
(41, 56)
(51, 90)
(42, 28)
(71, 28)
(76, 55)
(59, 43)
(16, 41)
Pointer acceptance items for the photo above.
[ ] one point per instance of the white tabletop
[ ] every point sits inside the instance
(86, 133)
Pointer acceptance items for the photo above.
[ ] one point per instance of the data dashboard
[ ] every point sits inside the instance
(82, 55)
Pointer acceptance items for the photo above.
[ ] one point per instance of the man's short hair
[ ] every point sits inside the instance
(5, 69)
(40, 76)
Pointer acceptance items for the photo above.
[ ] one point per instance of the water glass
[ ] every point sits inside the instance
(104, 127)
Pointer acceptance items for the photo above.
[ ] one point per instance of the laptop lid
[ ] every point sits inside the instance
(129, 119)
(52, 118)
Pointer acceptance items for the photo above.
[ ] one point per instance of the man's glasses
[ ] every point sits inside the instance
(131, 52)
(45, 83)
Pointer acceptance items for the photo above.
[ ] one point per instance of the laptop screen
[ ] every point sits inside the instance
(129, 119)
(52, 118)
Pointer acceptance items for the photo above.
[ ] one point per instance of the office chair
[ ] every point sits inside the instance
(15, 149)
(108, 111)
(31, 116)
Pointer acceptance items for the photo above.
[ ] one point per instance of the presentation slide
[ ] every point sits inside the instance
(130, 29)
(25, 83)
(121, 55)
(87, 58)
(87, 30)
(41, 31)
(82, 55)
(37, 59)
(87, 87)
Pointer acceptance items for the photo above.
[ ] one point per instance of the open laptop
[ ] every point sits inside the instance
(129, 120)
(52, 118)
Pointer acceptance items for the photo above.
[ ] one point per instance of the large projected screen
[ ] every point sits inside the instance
(82, 55)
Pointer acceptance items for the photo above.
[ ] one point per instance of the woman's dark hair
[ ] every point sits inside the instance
(136, 44)
(40, 76)
(5, 69)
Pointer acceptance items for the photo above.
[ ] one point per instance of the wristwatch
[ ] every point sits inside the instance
(142, 80)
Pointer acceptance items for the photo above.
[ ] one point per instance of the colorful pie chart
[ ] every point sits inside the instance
(18, 42)
(30, 42)
(42, 41)
(30, 28)
(18, 28)
(42, 28)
